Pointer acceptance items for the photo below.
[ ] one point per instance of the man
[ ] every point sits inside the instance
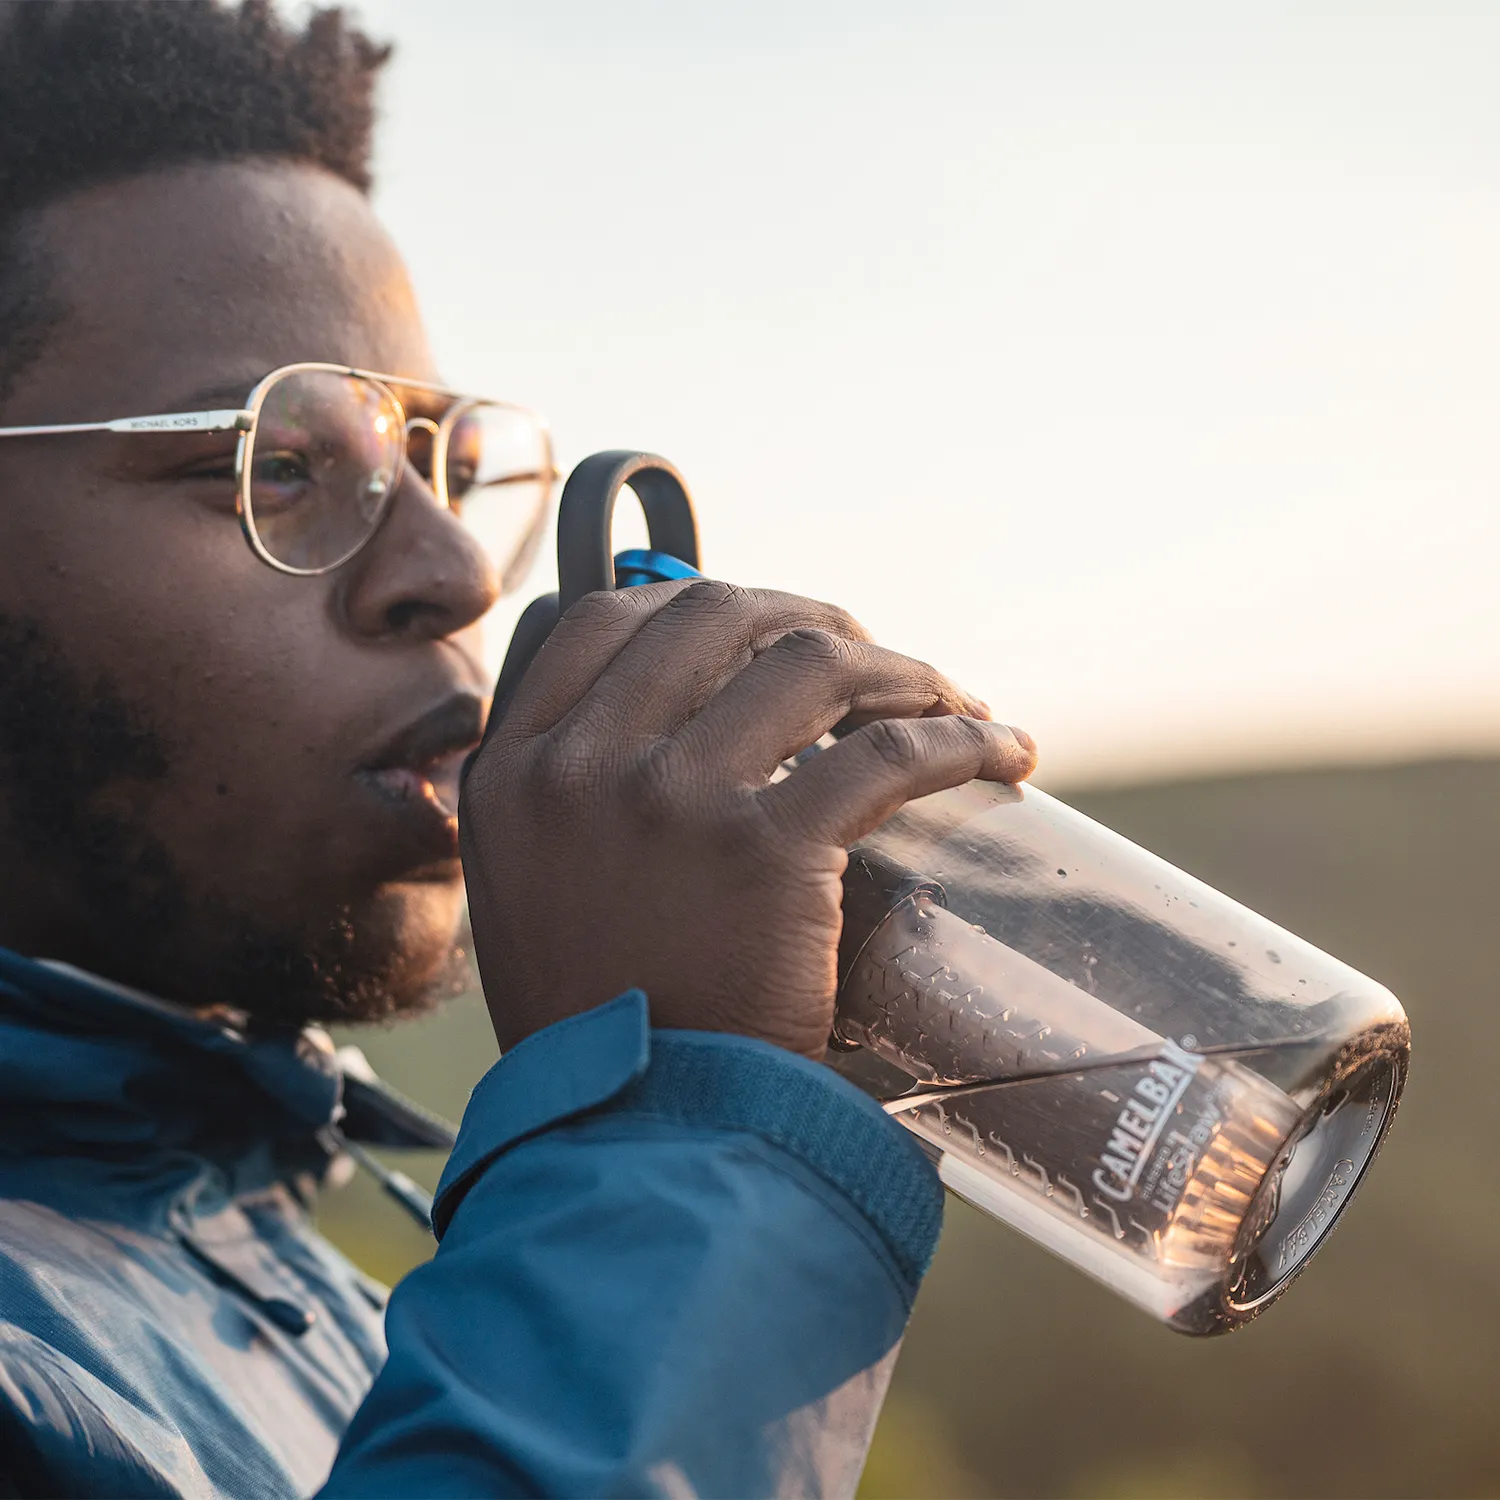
(236, 693)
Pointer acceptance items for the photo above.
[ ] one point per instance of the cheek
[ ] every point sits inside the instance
(222, 648)
(260, 772)
(234, 667)
(144, 579)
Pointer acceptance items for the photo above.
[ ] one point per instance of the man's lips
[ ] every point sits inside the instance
(436, 783)
(423, 763)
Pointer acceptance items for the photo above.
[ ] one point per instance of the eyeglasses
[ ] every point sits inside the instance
(322, 450)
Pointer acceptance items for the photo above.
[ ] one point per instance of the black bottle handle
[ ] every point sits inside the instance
(586, 513)
(585, 556)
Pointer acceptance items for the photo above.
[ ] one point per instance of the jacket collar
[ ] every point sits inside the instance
(89, 1066)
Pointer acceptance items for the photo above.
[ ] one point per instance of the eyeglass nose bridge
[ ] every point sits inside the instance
(434, 432)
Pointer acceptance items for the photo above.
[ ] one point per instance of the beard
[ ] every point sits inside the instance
(64, 745)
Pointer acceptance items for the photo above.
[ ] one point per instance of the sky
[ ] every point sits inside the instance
(1137, 365)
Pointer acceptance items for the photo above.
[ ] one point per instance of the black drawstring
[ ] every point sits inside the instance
(396, 1184)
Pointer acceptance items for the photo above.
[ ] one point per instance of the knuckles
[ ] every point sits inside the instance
(564, 773)
(710, 596)
(904, 744)
(656, 787)
(607, 611)
(839, 622)
(759, 609)
(538, 779)
(897, 742)
(976, 735)
(477, 792)
(811, 644)
(829, 618)
(600, 610)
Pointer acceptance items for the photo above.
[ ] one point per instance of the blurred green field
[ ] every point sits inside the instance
(1379, 1373)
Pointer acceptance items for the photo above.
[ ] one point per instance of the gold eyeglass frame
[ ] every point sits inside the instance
(244, 421)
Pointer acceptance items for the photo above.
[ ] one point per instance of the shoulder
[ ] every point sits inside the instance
(165, 1361)
(65, 1430)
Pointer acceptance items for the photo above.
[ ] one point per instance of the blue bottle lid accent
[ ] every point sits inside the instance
(642, 565)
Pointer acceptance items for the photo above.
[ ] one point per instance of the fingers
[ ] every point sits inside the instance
(839, 796)
(581, 646)
(800, 687)
(689, 649)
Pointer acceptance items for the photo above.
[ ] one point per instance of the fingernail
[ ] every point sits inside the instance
(1023, 739)
(979, 709)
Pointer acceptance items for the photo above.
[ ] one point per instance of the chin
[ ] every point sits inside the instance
(415, 950)
(399, 952)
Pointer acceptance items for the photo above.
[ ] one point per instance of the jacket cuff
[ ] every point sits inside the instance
(608, 1061)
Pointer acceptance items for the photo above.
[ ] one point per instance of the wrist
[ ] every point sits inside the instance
(606, 1068)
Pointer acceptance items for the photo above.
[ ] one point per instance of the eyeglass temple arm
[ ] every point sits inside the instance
(527, 476)
(229, 420)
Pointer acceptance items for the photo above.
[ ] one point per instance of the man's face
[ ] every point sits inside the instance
(217, 781)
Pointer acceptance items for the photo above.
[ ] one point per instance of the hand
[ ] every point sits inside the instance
(619, 826)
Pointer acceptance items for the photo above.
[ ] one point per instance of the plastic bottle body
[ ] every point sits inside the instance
(1158, 1085)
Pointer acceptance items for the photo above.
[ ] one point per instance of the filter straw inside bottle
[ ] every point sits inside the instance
(1050, 1049)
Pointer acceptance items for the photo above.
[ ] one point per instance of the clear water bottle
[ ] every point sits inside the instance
(1160, 1086)
(1170, 1092)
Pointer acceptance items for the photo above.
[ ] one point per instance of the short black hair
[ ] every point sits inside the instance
(96, 90)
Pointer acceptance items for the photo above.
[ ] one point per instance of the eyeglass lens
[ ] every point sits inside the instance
(323, 464)
(326, 455)
(498, 471)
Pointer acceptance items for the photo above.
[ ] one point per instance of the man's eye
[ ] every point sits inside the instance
(281, 468)
(461, 477)
(279, 479)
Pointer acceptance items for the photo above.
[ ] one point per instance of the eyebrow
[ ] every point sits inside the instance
(209, 397)
(238, 391)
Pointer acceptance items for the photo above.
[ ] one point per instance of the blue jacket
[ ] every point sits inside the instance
(669, 1263)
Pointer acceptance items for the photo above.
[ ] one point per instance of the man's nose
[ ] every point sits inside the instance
(422, 576)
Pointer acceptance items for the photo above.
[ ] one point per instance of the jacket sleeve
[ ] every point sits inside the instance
(670, 1263)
